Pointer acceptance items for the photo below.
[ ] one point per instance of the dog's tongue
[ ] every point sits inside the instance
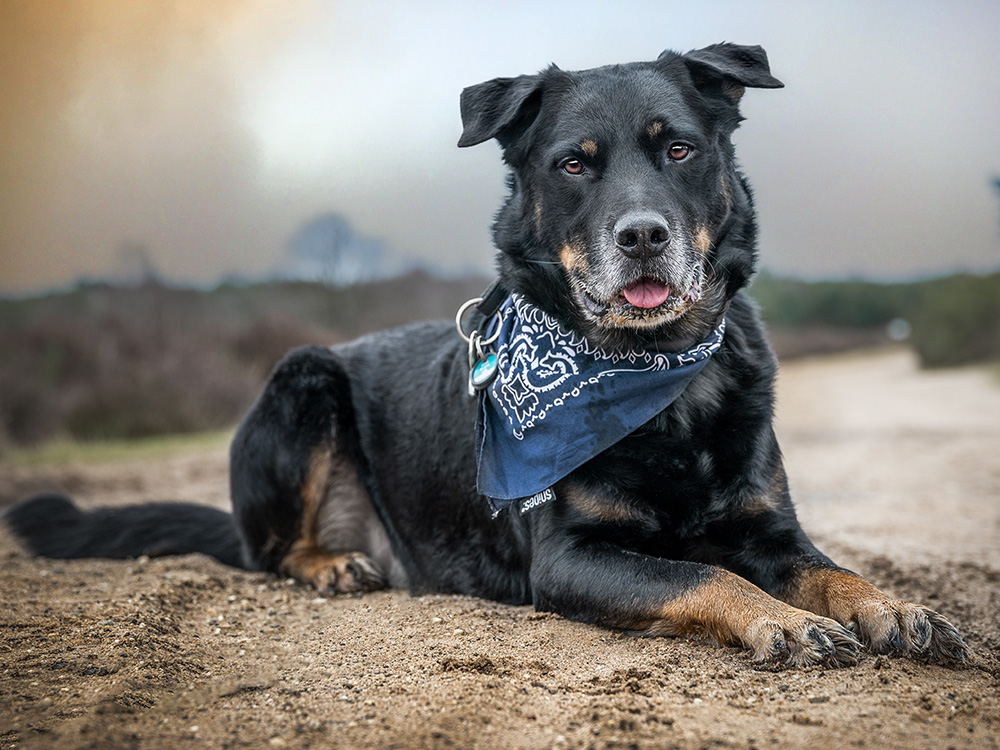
(646, 293)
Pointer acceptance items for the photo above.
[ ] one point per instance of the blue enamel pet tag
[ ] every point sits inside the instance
(483, 372)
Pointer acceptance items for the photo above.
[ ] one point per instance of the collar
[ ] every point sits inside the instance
(558, 401)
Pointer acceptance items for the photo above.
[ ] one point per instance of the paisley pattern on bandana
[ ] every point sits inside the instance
(558, 401)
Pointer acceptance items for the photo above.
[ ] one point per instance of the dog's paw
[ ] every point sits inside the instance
(801, 639)
(891, 626)
(346, 573)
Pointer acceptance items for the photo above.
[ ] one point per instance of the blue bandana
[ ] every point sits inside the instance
(557, 401)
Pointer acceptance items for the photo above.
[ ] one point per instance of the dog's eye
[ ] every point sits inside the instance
(572, 166)
(678, 151)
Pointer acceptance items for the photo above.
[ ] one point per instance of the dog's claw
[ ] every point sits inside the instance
(946, 644)
(891, 626)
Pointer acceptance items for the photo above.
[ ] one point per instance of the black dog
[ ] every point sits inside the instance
(629, 231)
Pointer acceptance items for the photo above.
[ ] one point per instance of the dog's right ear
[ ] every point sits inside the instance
(499, 109)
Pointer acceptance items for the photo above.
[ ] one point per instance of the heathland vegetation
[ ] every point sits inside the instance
(949, 321)
(102, 361)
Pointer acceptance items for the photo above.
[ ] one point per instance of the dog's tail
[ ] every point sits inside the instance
(52, 525)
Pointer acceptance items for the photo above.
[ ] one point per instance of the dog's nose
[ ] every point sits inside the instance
(641, 235)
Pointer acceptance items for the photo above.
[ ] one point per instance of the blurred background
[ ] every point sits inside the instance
(188, 188)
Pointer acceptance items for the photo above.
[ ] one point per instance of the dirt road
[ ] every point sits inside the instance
(896, 475)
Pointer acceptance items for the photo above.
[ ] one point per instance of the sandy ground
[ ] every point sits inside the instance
(896, 474)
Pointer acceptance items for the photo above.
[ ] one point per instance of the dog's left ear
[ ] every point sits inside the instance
(731, 66)
(498, 109)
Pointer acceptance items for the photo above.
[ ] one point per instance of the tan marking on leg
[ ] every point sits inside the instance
(830, 592)
(597, 508)
(885, 624)
(723, 607)
(347, 521)
(735, 612)
(307, 560)
(654, 129)
(314, 492)
(538, 215)
(589, 147)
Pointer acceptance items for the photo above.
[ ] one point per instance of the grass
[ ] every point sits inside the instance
(65, 451)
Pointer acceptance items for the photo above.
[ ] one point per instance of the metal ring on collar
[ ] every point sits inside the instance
(458, 323)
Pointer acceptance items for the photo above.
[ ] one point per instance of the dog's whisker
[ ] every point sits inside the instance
(542, 262)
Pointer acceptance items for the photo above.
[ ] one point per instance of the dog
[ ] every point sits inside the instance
(534, 459)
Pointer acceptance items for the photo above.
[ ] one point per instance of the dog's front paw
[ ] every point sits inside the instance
(884, 624)
(891, 626)
(802, 639)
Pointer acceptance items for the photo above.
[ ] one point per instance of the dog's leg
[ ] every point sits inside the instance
(586, 579)
(886, 624)
(764, 543)
(335, 516)
(297, 498)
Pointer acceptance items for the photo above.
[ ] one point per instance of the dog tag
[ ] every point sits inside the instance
(483, 372)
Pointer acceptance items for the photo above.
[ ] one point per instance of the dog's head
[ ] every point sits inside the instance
(627, 217)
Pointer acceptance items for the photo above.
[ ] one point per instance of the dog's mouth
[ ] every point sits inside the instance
(646, 300)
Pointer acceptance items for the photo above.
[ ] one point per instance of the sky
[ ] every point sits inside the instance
(199, 136)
